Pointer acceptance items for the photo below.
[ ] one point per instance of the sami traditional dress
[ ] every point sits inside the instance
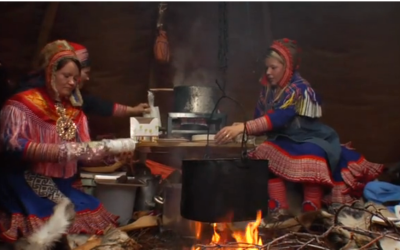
(92, 105)
(302, 149)
(33, 180)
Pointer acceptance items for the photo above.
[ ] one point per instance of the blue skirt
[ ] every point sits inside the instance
(23, 210)
(307, 163)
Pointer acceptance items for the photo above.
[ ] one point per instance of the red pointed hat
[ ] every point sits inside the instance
(289, 51)
(82, 54)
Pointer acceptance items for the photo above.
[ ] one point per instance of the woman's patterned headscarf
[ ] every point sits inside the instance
(82, 54)
(287, 49)
(50, 56)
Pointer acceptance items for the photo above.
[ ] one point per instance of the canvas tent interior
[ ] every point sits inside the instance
(350, 55)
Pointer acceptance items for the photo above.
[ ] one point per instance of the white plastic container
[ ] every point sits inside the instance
(117, 198)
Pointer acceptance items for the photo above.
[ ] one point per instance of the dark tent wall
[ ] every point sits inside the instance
(350, 56)
(19, 28)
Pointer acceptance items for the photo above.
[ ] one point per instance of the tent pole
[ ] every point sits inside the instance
(46, 27)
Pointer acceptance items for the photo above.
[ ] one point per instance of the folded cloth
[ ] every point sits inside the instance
(383, 192)
(160, 169)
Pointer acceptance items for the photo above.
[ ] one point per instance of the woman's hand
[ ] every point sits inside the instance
(142, 108)
(229, 133)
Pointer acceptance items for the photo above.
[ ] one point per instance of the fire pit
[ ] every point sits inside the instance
(206, 235)
(224, 193)
(227, 237)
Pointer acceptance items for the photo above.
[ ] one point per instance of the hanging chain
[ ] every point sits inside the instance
(162, 7)
(223, 41)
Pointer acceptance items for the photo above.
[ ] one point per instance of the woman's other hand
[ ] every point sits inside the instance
(142, 108)
(229, 133)
(238, 123)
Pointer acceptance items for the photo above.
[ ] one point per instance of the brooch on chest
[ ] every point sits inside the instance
(65, 127)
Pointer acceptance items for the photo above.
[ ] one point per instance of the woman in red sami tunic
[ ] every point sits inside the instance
(43, 135)
(93, 105)
(299, 147)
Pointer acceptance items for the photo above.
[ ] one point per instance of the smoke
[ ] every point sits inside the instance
(191, 54)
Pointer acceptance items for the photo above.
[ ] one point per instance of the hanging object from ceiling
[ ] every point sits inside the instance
(161, 46)
(223, 41)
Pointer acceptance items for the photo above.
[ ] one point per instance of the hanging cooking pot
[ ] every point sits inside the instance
(195, 99)
(214, 190)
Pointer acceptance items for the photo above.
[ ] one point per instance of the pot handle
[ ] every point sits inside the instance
(144, 182)
(244, 162)
(159, 200)
(244, 137)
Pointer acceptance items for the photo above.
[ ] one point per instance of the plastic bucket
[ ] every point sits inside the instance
(117, 198)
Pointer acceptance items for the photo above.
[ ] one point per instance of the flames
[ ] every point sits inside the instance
(250, 235)
(197, 226)
(244, 239)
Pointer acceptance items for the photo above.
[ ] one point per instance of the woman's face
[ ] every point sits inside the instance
(85, 76)
(275, 70)
(67, 79)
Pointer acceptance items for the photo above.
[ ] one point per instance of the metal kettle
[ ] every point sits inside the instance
(145, 195)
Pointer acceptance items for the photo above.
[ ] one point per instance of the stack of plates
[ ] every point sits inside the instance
(202, 138)
(171, 140)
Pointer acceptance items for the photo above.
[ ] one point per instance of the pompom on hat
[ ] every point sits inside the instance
(82, 54)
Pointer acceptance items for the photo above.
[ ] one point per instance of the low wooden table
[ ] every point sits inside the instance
(172, 153)
(190, 144)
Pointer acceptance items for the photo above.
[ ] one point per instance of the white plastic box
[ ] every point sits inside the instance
(144, 129)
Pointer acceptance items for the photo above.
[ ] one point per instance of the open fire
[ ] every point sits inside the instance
(242, 239)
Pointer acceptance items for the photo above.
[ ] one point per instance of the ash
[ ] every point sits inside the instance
(155, 239)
